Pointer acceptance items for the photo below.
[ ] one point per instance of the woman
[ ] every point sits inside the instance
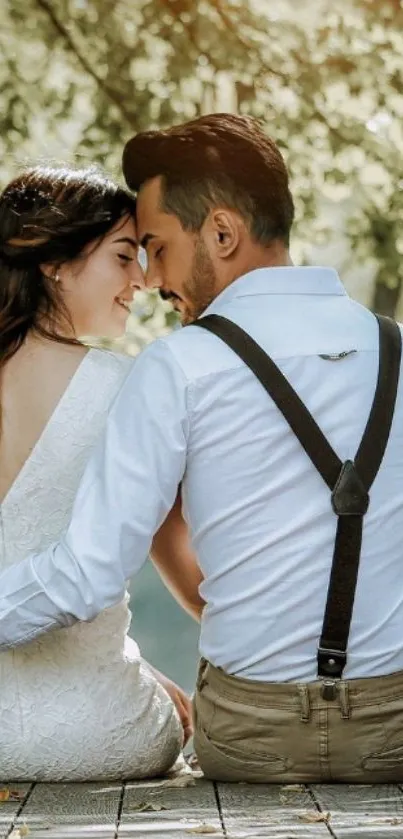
(79, 704)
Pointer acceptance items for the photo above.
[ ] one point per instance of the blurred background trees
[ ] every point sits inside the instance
(78, 77)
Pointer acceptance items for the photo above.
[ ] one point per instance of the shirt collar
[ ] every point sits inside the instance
(283, 280)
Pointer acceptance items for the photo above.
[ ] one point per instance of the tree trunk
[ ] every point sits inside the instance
(385, 299)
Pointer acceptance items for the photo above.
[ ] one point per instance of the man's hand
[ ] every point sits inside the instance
(176, 562)
(181, 701)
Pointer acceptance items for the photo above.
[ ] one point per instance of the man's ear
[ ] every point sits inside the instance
(224, 232)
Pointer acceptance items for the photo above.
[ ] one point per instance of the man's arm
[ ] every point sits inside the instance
(125, 494)
(176, 562)
(181, 700)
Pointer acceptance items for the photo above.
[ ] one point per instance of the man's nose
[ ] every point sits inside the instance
(137, 280)
(153, 279)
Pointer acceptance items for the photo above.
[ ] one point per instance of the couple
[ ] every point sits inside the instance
(192, 428)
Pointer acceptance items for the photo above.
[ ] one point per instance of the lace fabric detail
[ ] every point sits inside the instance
(78, 703)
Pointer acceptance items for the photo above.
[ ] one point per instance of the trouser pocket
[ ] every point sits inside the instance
(238, 741)
(386, 760)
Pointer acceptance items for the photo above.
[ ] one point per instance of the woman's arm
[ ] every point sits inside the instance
(175, 560)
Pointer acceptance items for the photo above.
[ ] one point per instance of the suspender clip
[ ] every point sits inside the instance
(331, 663)
(328, 690)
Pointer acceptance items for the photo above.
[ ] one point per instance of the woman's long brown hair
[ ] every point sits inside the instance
(48, 216)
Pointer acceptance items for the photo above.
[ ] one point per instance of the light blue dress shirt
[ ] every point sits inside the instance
(259, 513)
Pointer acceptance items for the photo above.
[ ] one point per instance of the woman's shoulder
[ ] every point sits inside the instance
(111, 358)
(104, 372)
(117, 363)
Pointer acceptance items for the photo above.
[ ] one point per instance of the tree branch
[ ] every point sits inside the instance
(187, 29)
(108, 92)
(227, 21)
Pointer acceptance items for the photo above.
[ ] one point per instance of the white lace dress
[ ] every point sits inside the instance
(79, 703)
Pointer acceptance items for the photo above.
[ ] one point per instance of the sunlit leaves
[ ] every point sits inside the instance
(77, 77)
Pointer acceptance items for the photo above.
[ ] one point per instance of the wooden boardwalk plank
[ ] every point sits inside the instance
(270, 811)
(9, 809)
(188, 809)
(152, 809)
(358, 811)
(74, 811)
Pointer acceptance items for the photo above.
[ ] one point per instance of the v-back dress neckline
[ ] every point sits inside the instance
(60, 405)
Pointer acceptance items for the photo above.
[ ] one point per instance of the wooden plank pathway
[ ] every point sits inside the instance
(180, 809)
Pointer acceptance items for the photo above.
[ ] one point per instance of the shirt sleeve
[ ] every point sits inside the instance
(127, 489)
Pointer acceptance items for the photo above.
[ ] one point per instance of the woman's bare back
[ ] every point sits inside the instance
(33, 382)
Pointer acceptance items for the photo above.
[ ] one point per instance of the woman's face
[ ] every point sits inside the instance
(98, 288)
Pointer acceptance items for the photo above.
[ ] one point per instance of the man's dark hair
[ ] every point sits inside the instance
(219, 159)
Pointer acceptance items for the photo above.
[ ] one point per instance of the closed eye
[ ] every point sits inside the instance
(159, 252)
(125, 258)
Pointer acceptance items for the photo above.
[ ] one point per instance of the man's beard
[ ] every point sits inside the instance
(201, 289)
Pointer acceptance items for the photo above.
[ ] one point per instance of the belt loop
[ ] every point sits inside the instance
(344, 700)
(201, 676)
(305, 708)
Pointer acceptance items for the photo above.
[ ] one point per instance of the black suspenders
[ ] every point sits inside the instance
(348, 482)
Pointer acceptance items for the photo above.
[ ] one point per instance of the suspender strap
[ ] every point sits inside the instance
(373, 444)
(283, 395)
(343, 577)
(349, 482)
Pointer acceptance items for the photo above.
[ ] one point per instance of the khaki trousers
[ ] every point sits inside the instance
(284, 733)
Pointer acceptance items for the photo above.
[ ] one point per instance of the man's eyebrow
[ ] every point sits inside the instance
(146, 239)
(127, 240)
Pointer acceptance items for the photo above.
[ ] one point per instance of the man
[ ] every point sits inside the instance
(214, 213)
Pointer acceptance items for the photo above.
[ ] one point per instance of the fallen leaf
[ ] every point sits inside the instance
(16, 795)
(148, 806)
(192, 761)
(203, 828)
(293, 788)
(314, 816)
(182, 781)
(4, 794)
(19, 832)
(289, 793)
(180, 767)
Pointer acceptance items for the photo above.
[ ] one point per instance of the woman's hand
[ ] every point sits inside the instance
(181, 701)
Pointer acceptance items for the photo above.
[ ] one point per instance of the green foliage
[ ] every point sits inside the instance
(78, 77)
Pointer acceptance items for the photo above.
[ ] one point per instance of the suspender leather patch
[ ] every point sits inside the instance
(349, 497)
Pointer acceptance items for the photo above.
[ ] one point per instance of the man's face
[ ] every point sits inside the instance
(178, 262)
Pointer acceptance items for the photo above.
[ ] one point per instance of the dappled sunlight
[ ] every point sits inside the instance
(79, 78)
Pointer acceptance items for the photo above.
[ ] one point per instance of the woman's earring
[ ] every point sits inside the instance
(56, 278)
